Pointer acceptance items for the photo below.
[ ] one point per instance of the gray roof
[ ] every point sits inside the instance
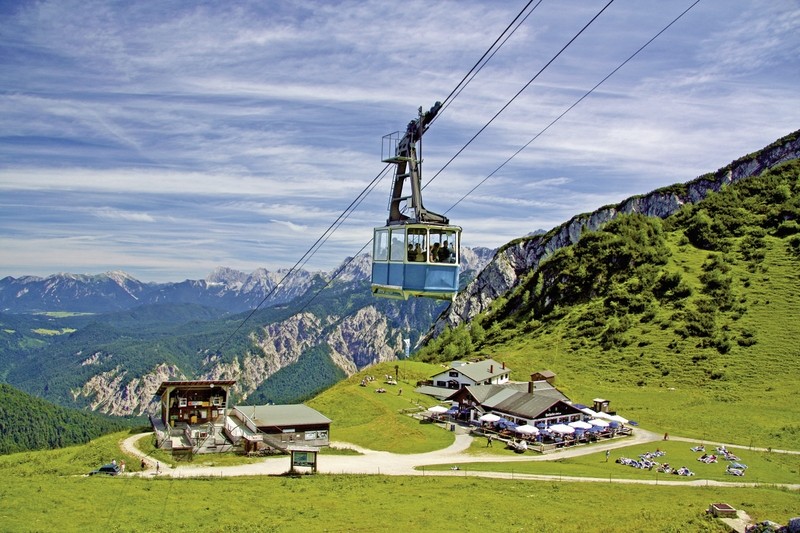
(198, 384)
(480, 371)
(483, 392)
(439, 393)
(283, 415)
(486, 393)
(526, 405)
(502, 395)
(513, 398)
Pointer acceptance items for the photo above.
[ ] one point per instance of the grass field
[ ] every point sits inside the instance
(763, 467)
(664, 383)
(364, 417)
(45, 491)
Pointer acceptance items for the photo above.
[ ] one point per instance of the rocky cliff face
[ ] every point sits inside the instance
(517, 258)
(355, 342)
(364, 339)
(274, 346)
(116, 393)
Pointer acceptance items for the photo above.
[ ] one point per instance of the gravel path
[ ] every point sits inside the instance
(377, 462)
(386, 463)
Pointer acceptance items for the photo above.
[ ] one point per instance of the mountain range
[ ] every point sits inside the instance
(224, 289)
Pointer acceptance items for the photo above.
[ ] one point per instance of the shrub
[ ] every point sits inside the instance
(788, 227)
(794, 245)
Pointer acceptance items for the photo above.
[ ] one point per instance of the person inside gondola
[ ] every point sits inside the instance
(434, 252)
(419, 255)
(444, 253)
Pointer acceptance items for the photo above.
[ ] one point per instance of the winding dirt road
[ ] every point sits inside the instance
(393, 464)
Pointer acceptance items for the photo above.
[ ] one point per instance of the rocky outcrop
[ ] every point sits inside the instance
(355, 342)
(362, 340)
(113, 393)
(524, 255)
(280, 345)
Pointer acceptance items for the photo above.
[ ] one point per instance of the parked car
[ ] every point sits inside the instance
(109, 470)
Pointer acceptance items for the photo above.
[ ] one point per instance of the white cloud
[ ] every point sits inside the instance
(116, 214)
(291, 226)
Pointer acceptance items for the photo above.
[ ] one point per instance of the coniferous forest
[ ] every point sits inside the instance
(30, 423)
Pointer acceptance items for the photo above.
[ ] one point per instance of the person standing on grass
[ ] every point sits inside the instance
(608, 452)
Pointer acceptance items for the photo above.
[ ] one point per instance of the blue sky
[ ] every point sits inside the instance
(168, 138)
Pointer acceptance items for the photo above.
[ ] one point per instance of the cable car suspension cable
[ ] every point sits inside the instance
(456, 91)
(362, 195)
(487, 56)
(614, 71)
(578, 101)
(520, 92)
(311, 251)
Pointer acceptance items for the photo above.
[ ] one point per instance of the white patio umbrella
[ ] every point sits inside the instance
(620, 419)
(527, 429)
(580, 424)
(562, 429)
(489, 417)
(599, 423)
(437, 409)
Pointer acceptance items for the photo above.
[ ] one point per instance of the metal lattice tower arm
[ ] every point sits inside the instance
(408, 167)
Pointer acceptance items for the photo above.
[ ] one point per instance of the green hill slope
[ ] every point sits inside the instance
(30, 423)
(687, 325)
(362, 416)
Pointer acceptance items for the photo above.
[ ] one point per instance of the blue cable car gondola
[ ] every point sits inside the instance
(413, 255)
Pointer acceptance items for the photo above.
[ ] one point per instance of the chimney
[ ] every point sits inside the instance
(530, 387)
(491, 369)
(504, 365)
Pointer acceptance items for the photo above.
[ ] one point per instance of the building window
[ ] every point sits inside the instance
(453, 374)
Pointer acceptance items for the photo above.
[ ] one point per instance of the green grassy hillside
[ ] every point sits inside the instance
(362, 416)
(688, 325)
(30, 423)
